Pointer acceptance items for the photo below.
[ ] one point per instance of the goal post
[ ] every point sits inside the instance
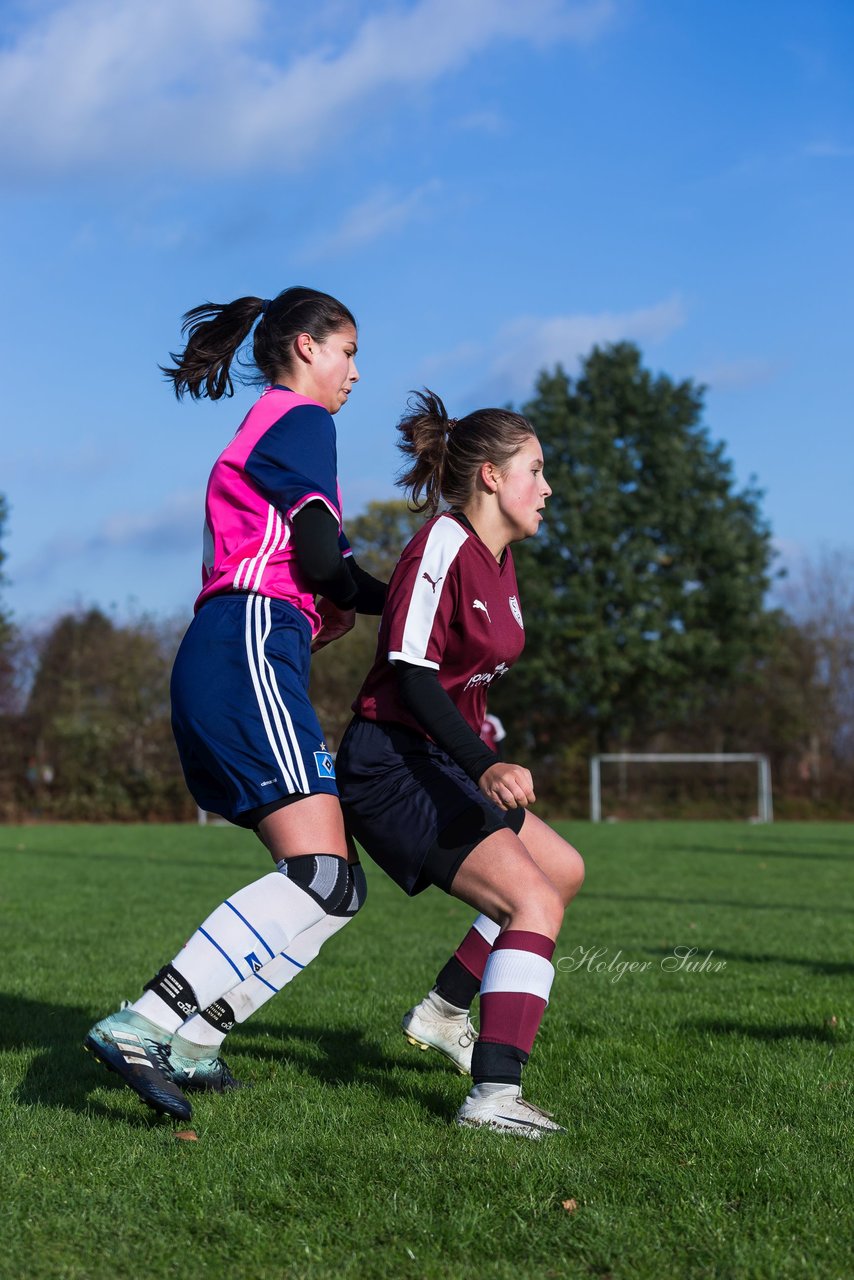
(764, 805)
(207, 819)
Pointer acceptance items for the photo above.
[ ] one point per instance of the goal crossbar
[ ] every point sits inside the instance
(765, 812)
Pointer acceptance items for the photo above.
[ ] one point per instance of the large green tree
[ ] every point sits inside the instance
(646, 581)
(6, 628)
(10, 641)
(97, 721)
(381, 532)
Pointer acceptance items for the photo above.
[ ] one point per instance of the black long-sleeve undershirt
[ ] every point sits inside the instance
(437, 713)
(330, 574)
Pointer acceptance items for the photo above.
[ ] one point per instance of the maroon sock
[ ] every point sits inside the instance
(513, 997)
(459, 981)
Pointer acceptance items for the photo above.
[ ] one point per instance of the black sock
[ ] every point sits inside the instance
(497, 1063)
(457, 985)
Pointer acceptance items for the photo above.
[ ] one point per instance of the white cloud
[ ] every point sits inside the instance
(382, 213)
(173, 527)
(170, 527)
(736, 375)
(107, 86)
(829, 150)
(485, 121)
(523, 347)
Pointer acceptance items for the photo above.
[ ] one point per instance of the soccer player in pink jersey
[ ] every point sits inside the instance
(412, 761)
(278, 581)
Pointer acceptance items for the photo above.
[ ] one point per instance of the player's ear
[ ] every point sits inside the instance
(305, 347)
(489, 476)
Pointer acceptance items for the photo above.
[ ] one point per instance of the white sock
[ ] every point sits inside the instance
(249, 996)
(487, 1088)
(487, 928)
(443, 1007)
(248, 930)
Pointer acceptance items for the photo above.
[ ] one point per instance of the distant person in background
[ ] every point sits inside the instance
(278, 581)
(421, 791)
(493, 733)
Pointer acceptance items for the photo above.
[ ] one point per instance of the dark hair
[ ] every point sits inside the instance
(447, 453)
(216, 332)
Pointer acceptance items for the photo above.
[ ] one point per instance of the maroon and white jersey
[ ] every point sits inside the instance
(450, 606)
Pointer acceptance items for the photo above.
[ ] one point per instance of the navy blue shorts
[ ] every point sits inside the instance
(412, 809)
(247, 735)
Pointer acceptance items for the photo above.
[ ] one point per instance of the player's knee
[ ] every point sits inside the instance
(539, 903)
(551, 906)
(326, 877)
(572, 875)
(356, 892)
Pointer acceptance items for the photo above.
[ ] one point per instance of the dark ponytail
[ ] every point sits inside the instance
(216, 331)
(424, 439)
(447, 453)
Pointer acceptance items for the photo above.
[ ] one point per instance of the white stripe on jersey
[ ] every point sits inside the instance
(440, 550)
(314, 497)
(246, 567)
(275, 545)
(522, 971)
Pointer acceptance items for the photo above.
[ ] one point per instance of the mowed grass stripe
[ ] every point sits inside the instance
(709, 1110)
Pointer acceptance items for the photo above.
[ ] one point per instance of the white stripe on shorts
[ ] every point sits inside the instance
(521, 971)
(278, 708)
(277, 746)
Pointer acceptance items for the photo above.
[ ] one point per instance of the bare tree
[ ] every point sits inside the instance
(819, 597)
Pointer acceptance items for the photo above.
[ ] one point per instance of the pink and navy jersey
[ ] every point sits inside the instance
(450, 606)
(283, 456)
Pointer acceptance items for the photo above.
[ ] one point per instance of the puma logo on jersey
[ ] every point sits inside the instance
(433, 584)
(478, 604)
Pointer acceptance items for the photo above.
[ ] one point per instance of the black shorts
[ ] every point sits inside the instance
(412, 809)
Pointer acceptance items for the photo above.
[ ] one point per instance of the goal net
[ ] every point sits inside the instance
(735, 784)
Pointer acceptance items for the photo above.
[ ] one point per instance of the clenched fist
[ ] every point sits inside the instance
(335, 623)
(510, 786)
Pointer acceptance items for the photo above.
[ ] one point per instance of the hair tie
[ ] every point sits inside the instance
(452, 422)
(264, 305)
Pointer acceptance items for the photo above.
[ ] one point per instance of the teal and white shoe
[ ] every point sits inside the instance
(193, 1067)
(138, 1050)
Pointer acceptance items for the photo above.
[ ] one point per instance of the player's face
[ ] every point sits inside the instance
(333, 369)
(522, 490)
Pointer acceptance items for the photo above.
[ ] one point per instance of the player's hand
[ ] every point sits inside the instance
(510, 786)
(334, 623)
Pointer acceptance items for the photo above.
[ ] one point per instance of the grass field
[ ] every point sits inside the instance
(709, 1110)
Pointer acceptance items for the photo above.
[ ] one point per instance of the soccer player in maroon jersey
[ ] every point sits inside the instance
(421, 791)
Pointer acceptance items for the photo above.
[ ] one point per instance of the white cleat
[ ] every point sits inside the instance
(435, 1024)
(506, 1111)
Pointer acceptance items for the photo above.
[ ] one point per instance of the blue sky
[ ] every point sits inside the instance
(491, 186)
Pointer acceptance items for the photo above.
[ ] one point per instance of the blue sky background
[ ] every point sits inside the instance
(491, 186)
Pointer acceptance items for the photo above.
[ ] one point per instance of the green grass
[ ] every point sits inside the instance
(709, 1113)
